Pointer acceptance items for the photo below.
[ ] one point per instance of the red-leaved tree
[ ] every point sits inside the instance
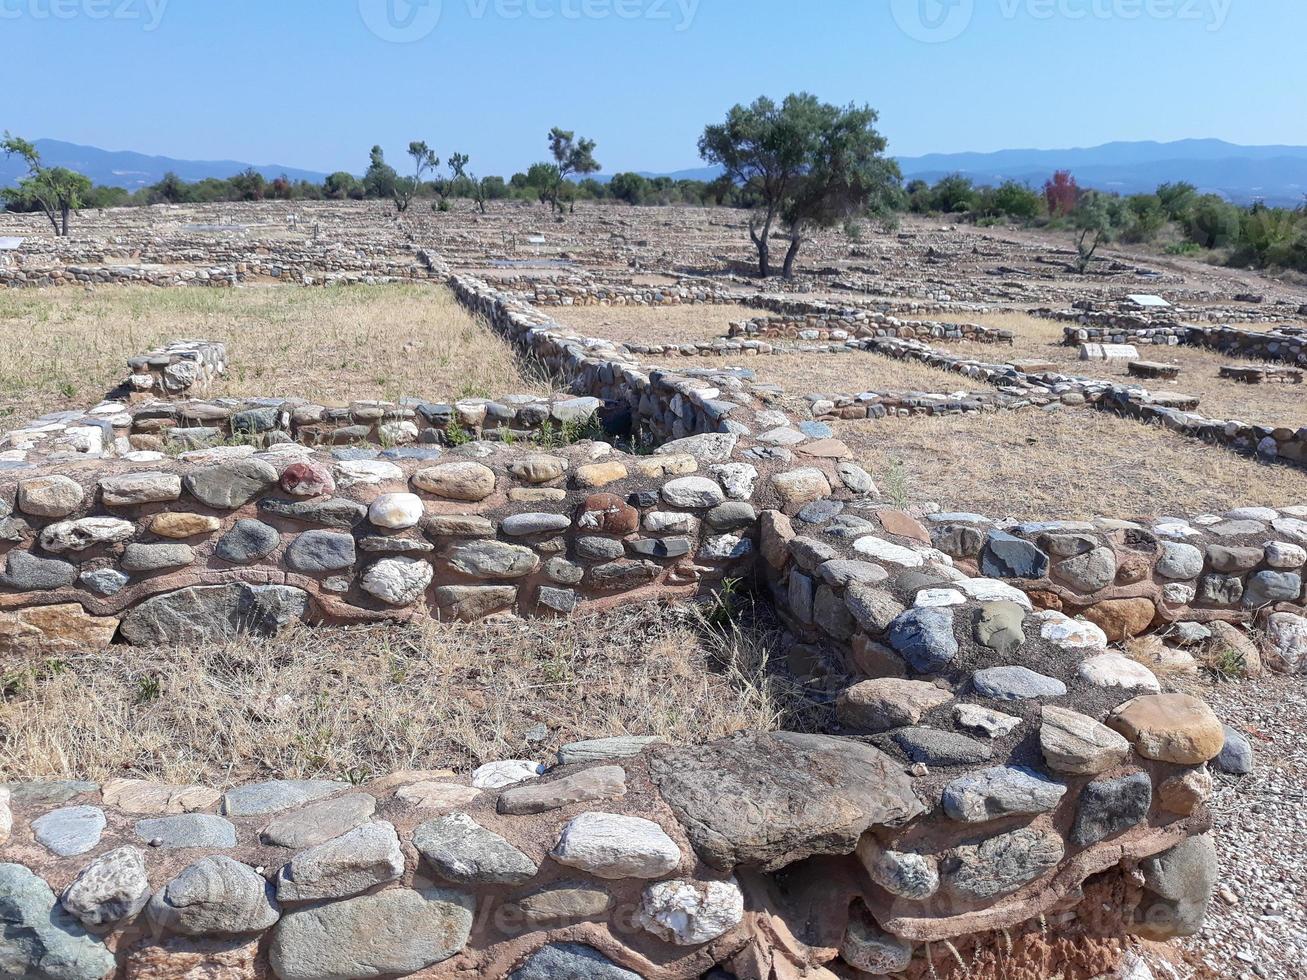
(1061, 193)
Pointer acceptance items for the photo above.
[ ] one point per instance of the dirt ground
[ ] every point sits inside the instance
(1072, 463)
(67, 348)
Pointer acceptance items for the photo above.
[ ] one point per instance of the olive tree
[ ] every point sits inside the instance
(571, 156)
(808, 164)
(56, 191)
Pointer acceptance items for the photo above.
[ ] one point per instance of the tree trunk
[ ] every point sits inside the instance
(65, 210)
(763, 244)
(792, 253)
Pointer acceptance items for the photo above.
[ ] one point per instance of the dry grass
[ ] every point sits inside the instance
(653, 324)
(66, 348)
(1067, 464)
(352, 703)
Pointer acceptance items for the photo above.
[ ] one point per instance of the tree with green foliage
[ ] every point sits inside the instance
(249, 185)
(1213, 222)
(380, 179)
(1017, 201)
(1178, 200)
(1093, 225)
(541, 180)
(807, 164)
(1147, 217)
(572, 156)
(406, 188)
(56, 191)
(629, 187)
(342, 185)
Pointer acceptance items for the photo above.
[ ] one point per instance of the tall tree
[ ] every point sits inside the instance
(381, 178)
(571, 156)
(56, 191)
(1061, 193)
(807, 163)
(407, 188)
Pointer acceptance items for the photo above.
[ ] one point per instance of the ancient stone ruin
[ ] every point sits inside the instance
(1001, 796)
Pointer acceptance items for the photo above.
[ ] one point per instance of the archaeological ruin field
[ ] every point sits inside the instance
(493, 594)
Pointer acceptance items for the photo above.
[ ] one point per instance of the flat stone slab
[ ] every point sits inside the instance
(70, 830)
(735, 797)
(320, 822)
(275, 795)
(187, 830)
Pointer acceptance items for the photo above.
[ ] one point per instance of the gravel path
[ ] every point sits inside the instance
(1257, 926)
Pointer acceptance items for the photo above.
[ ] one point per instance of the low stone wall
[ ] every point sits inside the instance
(855, 324)
(156, 550)
(409, 422)
(182, 368)
(882, 404)
(1289, 346)
(1163, 335)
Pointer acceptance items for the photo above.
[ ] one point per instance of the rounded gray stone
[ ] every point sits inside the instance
(462, 851)
(70, 830)
(321, 551)
(39, 939)
(247, 542)
(1011, 683)
(110, 889)
(1001, 792)
(215, 896)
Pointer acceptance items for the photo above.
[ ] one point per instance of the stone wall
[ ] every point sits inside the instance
(857, 323)
(181, 368)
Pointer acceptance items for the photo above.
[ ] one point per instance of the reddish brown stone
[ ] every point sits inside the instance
(1132, 568)
(1041, 599)
(824, 449)
(307, 480)
(897, 522)
(1122, 619)
(607, 513)
(197, 959)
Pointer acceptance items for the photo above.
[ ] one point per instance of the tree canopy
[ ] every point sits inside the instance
(56, 191)
(809, 164)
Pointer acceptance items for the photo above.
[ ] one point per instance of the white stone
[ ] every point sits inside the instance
(1071, 634)
(610, 846)
(882, 550)
(6, 815)
(693, 491)
(992, 590)
(662, 521)
(1264, 514)
(85, 533)
(506, 772)
(927, 598)
(1118, 670)
(995, 724)
(1284, 556)
(738, 479)
(1175, 529)
(725, 547)
(1287, 636)
(367, 472)
(396, 510)
(398, 581)
(690, 913)
(1292, 528)
(1108, 352)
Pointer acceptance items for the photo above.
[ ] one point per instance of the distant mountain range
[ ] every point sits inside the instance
(122, 168)
(1275, 174)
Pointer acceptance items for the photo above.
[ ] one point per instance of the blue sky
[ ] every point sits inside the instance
(309, 83)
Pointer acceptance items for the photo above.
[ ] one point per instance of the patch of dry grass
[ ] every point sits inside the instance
(653, 324)
(66, 348)
(1066, 464)
(353, 703)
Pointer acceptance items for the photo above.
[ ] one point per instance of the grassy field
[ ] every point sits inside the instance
(653, 324)
(353, 703)
(67, 348)
(1067, 464)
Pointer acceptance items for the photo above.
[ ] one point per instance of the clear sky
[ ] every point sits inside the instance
(314, 83)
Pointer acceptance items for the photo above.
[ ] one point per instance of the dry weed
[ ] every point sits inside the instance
(352, 703)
